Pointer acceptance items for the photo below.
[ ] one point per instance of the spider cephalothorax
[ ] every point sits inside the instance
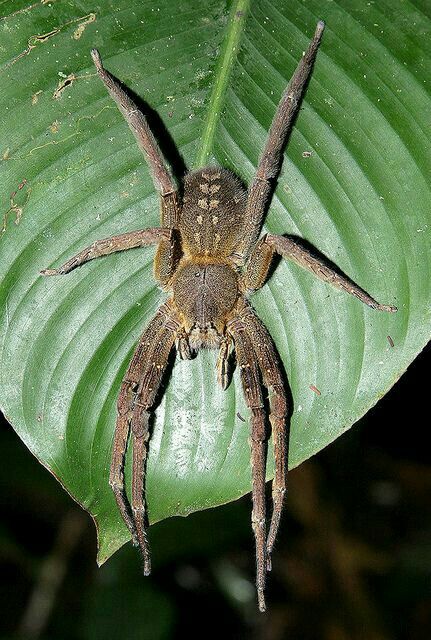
(209, 259)
(206, 282)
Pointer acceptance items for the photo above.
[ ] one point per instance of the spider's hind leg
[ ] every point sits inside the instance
(138, 124)
(136, 401)
(272, 157)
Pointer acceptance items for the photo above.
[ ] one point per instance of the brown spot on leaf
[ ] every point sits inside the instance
(81, 28)
(65, 82)
(54, 127)
(35, 97)
(16, 207)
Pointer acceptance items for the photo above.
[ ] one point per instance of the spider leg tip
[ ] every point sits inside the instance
(319, 29)
(388, 307)
(268, 563)
(95, 55)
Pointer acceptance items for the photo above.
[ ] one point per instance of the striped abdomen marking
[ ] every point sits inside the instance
(212, 214)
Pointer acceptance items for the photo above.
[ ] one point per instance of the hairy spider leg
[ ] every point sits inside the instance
(260, 261)
(139, 127)
(272, 156)
(113, 244)
(271, 372)
(162, 178)
(251, 384)
(222, 366)
(138, 392)
(125, 401)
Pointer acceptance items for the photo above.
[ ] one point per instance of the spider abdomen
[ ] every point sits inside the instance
(212, 214)
(205, 293)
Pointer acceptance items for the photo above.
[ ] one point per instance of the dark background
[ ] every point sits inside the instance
(353, 560)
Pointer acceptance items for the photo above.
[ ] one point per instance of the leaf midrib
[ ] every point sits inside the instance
(223, 70)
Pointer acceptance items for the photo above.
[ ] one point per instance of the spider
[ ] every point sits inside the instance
(210, 259)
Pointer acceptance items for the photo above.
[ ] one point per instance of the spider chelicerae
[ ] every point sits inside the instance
(209, 259)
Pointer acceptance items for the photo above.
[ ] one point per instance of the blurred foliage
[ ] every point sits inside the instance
(353, 561)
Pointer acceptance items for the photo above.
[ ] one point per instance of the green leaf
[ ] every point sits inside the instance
(72, 173)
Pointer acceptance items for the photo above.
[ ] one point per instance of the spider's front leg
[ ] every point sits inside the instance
(270, 369)
(250, 379)
(272, 376)
(135, 403)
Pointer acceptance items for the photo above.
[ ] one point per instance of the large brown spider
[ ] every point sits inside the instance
(210, 259)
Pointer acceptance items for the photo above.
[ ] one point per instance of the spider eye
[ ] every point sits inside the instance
(197, 274)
